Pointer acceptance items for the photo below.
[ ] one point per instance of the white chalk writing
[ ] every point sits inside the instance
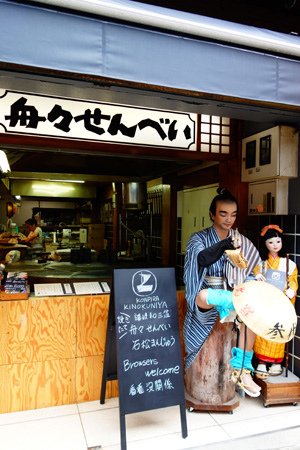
(165, 371)
(147, 299)
(151, 386)
(143, 306)
(128, 365)
(165, 314)
(145, 344)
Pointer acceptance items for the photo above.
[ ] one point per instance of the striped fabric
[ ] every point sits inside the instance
(198, 324)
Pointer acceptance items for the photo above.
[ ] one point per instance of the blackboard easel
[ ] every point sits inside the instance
(143, 327)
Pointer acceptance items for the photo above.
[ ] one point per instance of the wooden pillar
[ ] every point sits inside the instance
(230, 175)
(169, 224)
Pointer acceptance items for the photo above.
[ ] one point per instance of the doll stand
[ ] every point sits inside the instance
(280, 390)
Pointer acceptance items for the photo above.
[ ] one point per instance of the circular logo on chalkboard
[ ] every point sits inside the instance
(144, 283)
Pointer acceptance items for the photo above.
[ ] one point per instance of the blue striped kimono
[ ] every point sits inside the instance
(198, 324)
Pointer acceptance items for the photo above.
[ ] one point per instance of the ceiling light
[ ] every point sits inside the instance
(62, 181)
(46, 179)
(4, 164)
(53, 190)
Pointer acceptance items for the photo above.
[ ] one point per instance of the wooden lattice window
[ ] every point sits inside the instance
(214, 134)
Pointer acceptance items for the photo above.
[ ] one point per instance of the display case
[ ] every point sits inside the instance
(270, 154)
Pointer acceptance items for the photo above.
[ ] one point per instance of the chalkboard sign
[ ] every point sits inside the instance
(148, 347)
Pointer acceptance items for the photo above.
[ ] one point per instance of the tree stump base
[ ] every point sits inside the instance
(207, 381)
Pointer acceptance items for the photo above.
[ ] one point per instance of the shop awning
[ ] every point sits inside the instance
(74, 41)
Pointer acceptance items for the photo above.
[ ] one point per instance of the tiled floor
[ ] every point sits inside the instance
(91, 425)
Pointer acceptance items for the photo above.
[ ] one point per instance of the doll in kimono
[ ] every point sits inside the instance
(276, 268)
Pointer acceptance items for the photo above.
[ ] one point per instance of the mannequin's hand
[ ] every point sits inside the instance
(260, 277)
(290, 293)
(236, 239)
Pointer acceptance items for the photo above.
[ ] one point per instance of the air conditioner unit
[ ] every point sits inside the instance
(270, 154)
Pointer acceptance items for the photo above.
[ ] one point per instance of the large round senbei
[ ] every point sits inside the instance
(266, 310)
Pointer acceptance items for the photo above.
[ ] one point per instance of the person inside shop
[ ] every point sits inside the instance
(35, 234)
(209, 277)
(278, 269)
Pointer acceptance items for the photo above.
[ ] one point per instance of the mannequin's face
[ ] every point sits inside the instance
(274, 245)
(225, 216)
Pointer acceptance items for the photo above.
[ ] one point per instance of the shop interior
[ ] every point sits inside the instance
(104, 225)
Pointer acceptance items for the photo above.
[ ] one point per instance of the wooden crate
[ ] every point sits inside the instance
(51, 351)
(280, 390)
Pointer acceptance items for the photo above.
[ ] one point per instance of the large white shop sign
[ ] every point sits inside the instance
(34, 114)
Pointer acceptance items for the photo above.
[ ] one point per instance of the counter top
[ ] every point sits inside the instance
(52, 269)
(13, 246)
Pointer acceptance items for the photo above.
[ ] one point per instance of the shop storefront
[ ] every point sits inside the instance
(120, 83)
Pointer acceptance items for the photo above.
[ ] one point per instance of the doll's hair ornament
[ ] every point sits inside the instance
(270, 227)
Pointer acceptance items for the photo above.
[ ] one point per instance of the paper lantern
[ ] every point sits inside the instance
(9, 209)
(266, 310)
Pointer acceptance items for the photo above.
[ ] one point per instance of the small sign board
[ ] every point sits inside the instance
(149, 358)
(277, 278)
